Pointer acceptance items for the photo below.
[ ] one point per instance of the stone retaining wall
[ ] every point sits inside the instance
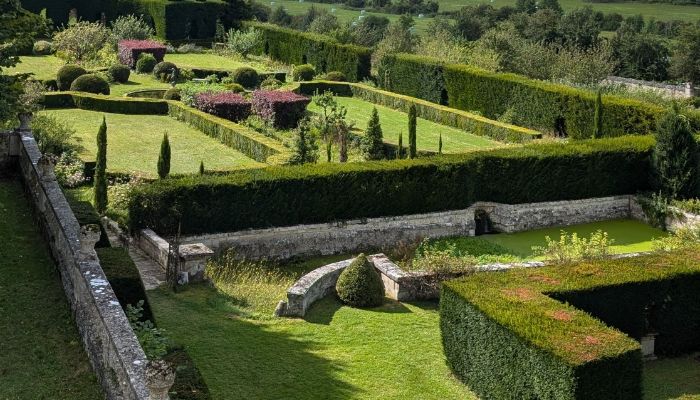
(114, 352)
(380, 233)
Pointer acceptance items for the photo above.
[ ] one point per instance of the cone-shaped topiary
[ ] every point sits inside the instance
(598, 116)
(412, 132)
(164, 158)
(359, 285)
(100, 179)
(373, 143)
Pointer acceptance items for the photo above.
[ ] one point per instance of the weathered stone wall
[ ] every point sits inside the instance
(112, 347)
(381, 233)
(9, 150)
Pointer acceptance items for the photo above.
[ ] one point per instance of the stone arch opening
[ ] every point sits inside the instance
(482, 223)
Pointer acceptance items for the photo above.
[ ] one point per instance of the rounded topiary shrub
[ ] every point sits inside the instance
(164, 70)
(172, 94)
(359, 285)
(145, 63)
(67, 74)
(335, 76)
(119, 73)
(270, 83)
(90, 83)
(42, 48)
(246, 77)
(234, 87)
(304, 72)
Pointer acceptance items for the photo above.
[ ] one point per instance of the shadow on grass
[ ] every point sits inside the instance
(243, 359)
(322, 311)
(672, 378)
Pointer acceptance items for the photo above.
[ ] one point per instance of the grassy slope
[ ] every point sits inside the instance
(41, 356)
(212, 61)
(43, 67)
(137, 82)
(394, 122)
(133, 142)
(630, 236)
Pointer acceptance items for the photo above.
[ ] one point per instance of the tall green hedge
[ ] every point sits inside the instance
(539, 105)
(282, 196)
(324, 53)
(185, 19)
(472, 123)
(88, 10)
(551, 333)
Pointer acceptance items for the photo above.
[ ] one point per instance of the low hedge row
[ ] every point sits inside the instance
(539, 105)
(118, 105)
(507, 338)
(124, 278)
(283, 196)
(326, 54)
(241, 138)
(472, 123)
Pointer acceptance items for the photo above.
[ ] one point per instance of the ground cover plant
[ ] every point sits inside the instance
(396, 122)
(41, 352)
(189, 145)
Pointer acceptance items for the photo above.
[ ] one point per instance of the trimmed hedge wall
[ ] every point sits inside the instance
(505, 337)
(183, 19)
(472, 123)
(539, 105)
(118, 105)
(326, 54)
(290, 195)
(124, 278)
(252, 144)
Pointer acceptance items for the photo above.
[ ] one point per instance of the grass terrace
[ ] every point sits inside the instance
(213, 61)
(41, 356)
(133, 143)
(43, 67)
(394, 122)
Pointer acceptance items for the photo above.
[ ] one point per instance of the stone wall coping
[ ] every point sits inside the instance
(304, 284)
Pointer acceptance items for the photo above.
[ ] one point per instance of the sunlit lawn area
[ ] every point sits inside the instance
(133, 143)
(43, 67)
(41, 356)
(137, 82)
(394, 122)
(213, 61)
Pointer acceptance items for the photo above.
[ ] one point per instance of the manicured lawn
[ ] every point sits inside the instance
(41, 356)
(137, 82)
(672, 378)
(213, 61)
(394, 122)
(43, 67)
(133, 143)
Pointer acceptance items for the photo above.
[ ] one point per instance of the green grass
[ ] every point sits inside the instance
(213, 61)
(394, 122)
(672, 378)
(133, 143)
(137, 82)
(43, 67)
(41, 356)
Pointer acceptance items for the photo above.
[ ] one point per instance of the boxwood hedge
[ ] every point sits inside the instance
(473, 123)
(118, 105)
(283, 196)
(324, 53)
(185, 19)
(507, 336)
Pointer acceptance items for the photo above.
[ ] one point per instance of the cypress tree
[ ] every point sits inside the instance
(598, 116)
(304, 147)
(201, 167)
(100, 191)
(164, 158)
(675, 157)
(399, 151)
(412, 132)
(373, 144)
(329, 150)
(440, 144)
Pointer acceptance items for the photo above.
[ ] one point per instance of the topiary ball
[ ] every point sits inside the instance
(335, 76)
(42, 48)
(145, 63)
(359, 285)
(234, 87)
(119, 73)
(172, 94)
(67, 74)
(164, 70)
(270, 83)
(304, 72)
(246, 77)
(90, 83)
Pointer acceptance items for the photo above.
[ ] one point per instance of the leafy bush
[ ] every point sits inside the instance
(359, 285)
(81, 42)
(53, 136)
(304, 72)
(119, 73)
(172, 94)
(130, 27)
(42, 48)
(90, 83)
(543, 172)
(146, 63)
(570, 248)
(231, 106)
(334, 76)
(244, 41)
(691, 205)
(70, 169)
(130, 52)
(153, 340)
(270, 83)
(282, 109)
(246, 77)
(164, 71)
(67, 74)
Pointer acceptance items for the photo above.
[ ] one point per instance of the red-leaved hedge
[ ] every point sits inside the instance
(227, 105)
(130, 50)
(284, 109)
